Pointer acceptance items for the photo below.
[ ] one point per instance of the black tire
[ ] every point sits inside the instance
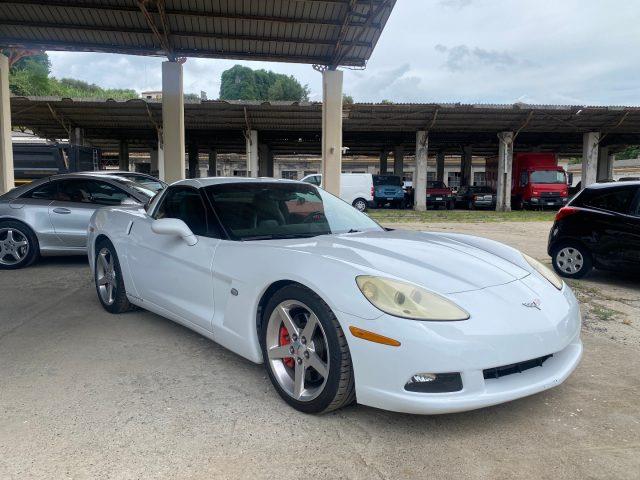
(584, 254)
(33, 246)
(360, 204)
(339, 389)
(120, 302)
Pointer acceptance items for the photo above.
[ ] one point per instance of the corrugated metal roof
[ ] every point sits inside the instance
(367, 127)
(325, 32)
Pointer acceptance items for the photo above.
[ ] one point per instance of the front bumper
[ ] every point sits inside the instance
(443, 201)
(547, 201)
(496, 335)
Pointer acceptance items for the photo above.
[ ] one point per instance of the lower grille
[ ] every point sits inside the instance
(520, 367)
(550, 194)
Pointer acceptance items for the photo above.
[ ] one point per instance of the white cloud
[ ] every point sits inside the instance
(543, 51)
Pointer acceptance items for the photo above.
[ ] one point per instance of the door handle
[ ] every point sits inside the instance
(61, 210)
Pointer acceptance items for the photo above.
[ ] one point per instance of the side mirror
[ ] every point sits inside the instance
(130, 202)
(175, 227)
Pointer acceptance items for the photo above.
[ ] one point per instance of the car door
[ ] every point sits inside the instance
(165, 270)
(612, 226)
(75, 201)
(631, 253)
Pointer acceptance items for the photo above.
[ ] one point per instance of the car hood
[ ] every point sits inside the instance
(438, 263)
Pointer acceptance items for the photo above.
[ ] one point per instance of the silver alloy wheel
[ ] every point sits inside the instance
(570, 260)
(360, 205)
(300, 365)
(14, 246)
(106, 276)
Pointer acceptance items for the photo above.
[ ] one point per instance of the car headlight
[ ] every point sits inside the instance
(405, 300)
(544, 271)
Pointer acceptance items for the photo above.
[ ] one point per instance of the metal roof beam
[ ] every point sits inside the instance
(186, 13)
(143, 31)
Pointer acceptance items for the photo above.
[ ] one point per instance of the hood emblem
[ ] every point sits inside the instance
(535, 303)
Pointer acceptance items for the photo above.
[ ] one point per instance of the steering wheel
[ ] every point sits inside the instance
(315, 217)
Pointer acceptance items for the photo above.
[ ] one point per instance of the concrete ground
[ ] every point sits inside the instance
(85, 394)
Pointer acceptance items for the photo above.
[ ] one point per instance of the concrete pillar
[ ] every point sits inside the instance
(465, 166)
(504, 175)
(172, 122)
(420, 179)
(123, 155)
(252, 154)
(153, 161)
(331, 130)
(194, 169)
(265, 160)
(398, 160)
(440, 166)
(77, 136)
(6, 146)
(605, 164)
(590, 158)
(384, 154)
(213, 160)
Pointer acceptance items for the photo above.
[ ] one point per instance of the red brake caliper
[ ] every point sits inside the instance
(284, 340)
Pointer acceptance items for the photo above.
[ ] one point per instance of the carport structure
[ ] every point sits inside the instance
(325, 33)
(262, 130)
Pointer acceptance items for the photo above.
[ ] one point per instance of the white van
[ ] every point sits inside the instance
(355, 188)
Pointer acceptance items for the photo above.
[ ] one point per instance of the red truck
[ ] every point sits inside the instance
(537, 180)
(439, 195)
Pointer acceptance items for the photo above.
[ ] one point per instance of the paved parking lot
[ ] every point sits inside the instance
(84, 394)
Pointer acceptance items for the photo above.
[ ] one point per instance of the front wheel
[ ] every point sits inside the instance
(571, 260)
(360, 204)
(18, 245)
(108, 279)
(305, 352)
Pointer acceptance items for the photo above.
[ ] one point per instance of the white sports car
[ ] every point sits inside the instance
(338, 308)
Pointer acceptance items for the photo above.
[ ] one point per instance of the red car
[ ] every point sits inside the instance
(439, 195)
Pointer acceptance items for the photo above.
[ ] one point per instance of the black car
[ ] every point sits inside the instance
(473, 197)
(599, 228)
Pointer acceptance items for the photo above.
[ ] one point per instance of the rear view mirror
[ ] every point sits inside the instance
(175, 227)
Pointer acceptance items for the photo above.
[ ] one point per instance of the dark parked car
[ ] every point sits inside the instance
(475, 197)
(599, 228)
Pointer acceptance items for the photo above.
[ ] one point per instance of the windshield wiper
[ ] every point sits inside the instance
(353, 230)
(280, 236)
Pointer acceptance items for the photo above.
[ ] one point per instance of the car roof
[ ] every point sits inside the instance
(605, 185)
(208, 181)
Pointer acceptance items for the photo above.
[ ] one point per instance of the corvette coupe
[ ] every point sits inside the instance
(338, 308)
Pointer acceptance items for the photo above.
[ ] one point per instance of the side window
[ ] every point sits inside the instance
(315, 180)
(524, 177)
(618, 201)
(104, 193)
(75, 190)
(636, 211)
(185, 204)
(46, 191)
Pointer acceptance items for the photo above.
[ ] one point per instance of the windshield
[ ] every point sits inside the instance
(135, 186)
(480, 189)
(548, 176)
(435, 184)
(261, 211)
(145, 182)
(391, 180)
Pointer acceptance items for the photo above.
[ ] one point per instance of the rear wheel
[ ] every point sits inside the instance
(18, 245)
(360, 204)
(571, 260)
(108, 279)
(305, 352)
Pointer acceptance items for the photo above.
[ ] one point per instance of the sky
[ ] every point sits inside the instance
(579, 52)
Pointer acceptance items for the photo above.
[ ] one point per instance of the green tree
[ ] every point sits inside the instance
(29, 76)
(347, 99)
(630, 152)
(386, 102)
(243, 83)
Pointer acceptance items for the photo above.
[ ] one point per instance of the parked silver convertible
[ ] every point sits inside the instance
(50, 216)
